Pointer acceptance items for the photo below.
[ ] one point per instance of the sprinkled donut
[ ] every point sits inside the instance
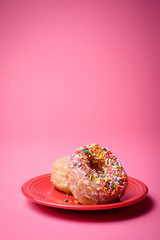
(95, 175)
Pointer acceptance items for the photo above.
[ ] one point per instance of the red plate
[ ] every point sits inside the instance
(41, 190)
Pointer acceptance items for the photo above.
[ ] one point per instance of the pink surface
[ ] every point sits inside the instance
(72, 73)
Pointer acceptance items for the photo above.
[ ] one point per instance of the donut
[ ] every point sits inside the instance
(59, 174)
(95, 175)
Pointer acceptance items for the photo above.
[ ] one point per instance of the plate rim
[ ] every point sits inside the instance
(82, 207)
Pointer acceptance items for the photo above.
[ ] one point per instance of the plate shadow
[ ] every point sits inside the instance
(109, 215)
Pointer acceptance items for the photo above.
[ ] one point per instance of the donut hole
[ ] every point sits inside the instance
(96, 166)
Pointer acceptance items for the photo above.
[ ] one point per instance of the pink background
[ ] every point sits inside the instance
(72, 73)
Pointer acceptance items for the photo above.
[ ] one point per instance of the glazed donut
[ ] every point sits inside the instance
(59, 174)
(95, 175)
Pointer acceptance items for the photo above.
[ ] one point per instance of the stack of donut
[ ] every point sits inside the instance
(92, 174)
